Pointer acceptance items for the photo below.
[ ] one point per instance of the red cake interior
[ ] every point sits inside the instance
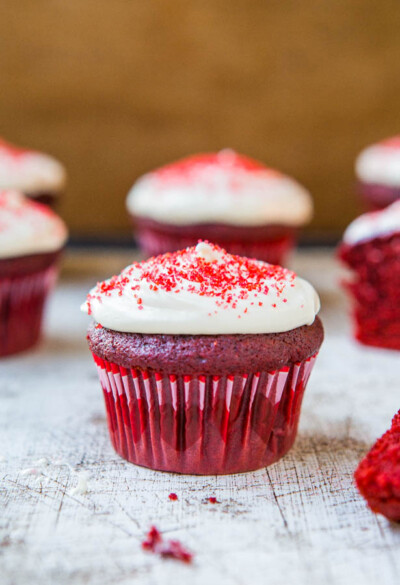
(375, 289)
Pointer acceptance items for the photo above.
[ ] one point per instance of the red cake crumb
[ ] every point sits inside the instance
(171, 549)
(213, 500)
(173, 497)
(378, 474)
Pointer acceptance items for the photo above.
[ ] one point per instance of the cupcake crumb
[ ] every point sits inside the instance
(82, 486)
(171, 549)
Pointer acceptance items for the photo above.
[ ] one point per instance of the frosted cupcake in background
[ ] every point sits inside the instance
(37, 175)
(203, 358)
(31, 239)
(227, 198)
(378, 173)
(371, 249)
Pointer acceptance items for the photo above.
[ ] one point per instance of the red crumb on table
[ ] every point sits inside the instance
(173, 497)
(213, 500)
(171, 549)
(378, 474)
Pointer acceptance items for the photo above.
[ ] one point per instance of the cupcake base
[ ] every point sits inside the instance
(24, 285)
(203, 424)
(46, 198)
(269, 243)
(378, 196)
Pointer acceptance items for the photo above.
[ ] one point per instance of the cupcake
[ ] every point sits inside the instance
(378, 173)
(31, 239)
(227, 198)
(371, 250)
(203, 358)
(37, 175)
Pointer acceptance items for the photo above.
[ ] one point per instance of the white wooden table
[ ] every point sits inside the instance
(300, 521)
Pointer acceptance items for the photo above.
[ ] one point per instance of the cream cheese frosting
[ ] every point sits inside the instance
(29, 171)
(27, 227)
(380, 163)
(203, 290)
(225, 188)
(374, 224)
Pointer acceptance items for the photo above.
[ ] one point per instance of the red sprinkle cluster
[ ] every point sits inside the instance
(393, 142)
(187, 168)
(11, 150)
(378, 474)
(14, 207)
(227, 278)
(171, 549)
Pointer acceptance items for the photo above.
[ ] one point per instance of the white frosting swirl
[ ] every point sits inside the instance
(374, 224)
(26, 227)
(29, 172)
(203, 290)
(380, 163)
(222, 188)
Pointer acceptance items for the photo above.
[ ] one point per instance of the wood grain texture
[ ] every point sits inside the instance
(300, 521)
(117, 88)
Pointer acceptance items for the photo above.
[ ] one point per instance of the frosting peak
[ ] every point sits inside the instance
(223, 187)
(27, 227)
(203, 290)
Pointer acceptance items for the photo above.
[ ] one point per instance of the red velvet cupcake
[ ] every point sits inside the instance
(371, 249)
(226, 198)
(378, 173)
(37, 175)
(203, 358)
(31, 240)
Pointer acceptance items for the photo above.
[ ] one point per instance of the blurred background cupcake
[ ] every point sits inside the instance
(378, 173)
(226, 198)
(39, 176)
(31, 239)
(371, 249)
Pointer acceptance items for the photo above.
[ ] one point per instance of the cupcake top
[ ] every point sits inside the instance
(225, 187)
(380, 163)
(29, 171)
(203, 290)
(27, 227)
(374, 224)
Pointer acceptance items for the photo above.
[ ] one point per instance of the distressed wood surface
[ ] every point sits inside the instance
(300, 521)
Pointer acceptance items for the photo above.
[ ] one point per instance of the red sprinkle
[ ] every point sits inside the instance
(187, 169)
(171, 549)
(173, 497)
(213, 500)
(227, 278)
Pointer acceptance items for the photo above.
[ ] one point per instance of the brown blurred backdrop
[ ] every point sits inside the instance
(115, 88)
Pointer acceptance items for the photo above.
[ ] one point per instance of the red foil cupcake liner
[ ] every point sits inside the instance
(22, 299)
(274, 251)
(203, 424)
